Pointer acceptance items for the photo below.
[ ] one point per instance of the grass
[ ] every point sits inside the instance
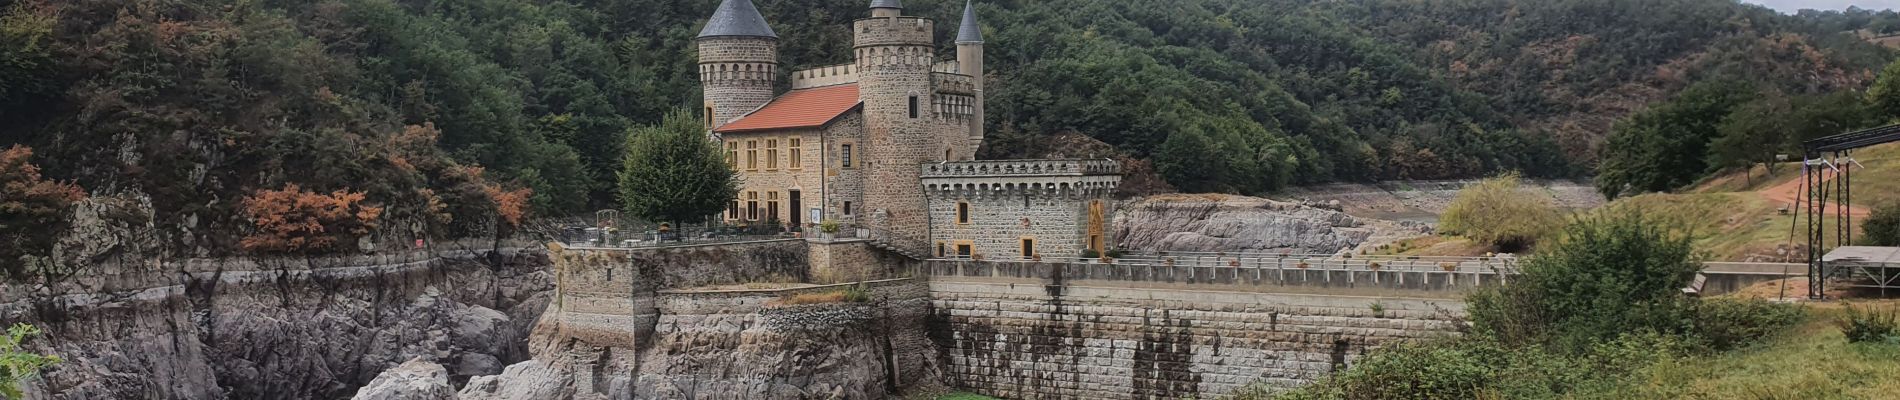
(1728, 226)
(1435, 246)
(1811, 361)
(852, 294)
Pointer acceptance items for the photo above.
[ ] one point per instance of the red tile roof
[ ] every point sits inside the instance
(803, 108)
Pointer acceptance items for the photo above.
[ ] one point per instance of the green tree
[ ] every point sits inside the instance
(1607, 276)
(1667, 147)
(18, 365)
(1884, 96)
(1883, 227)
(672, 173)
(1753, 134)
(1497, 213)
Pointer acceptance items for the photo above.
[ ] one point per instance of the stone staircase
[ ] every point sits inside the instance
(914, 249)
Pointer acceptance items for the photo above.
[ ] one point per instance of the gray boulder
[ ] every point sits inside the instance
(413, 380)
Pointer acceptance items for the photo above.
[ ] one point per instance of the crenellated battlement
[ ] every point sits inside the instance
(895, 31)
(825, 76)
(952, 83)
(1003, 168)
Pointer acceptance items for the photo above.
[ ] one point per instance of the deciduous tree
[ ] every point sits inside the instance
(32, 210)
(672, 173)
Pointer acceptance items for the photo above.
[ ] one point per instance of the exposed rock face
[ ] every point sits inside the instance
(1221, 223)
(1427, 199)
(292, 328)
(413, 380)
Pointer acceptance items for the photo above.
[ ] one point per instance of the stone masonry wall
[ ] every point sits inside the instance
(1034, 340)
(997, 224)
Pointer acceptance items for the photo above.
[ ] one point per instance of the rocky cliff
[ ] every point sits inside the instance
(1223, 223)
(278, 328)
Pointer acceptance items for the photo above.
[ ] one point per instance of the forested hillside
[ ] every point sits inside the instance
(449, 112)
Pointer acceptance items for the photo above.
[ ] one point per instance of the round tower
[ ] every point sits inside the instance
(738, 62)
(894, 58)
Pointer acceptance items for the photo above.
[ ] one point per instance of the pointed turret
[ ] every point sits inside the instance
(969, 32)
(970, 62)
(737, 18)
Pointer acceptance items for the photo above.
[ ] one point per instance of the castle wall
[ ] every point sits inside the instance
(1050, 331)
(768, 175)
(845, 184)
(1055, 204)
(824, 76)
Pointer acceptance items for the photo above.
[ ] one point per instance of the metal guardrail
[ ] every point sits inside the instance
(1288, 261)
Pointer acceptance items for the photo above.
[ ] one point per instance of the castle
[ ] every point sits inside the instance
(887, 143)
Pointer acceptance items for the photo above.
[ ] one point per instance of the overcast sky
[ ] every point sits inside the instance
(1790, 6)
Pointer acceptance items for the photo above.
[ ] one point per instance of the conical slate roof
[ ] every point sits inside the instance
(970, 32)
(737, 18)
(885, 4)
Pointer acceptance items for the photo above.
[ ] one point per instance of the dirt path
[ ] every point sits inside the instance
(1786, 193)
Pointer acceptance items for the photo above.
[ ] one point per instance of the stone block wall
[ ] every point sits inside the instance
(737, 74)
(1021, 339)
(854, 260)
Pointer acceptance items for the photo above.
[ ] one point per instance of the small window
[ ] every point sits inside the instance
(771, 155)
(732, 155)
(752, 155)
(752, 210)
(709, 117)
(847, 208)
(963, 212)
(913, 106)
(797, 161)
(844, 156)
(1029, 248)
(939, 249)
(964, 250)
(732, 211)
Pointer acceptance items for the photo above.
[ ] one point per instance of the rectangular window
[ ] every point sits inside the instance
(752, 206)
(913, 106)
(771, 210)
(965, 249)
(732, 155)
(771, 154)
(796, 163)
(1029, 248)
(847, 208)
(752, 155)
(732, 210)
(963, 213)
(844, 156)
(939, 249)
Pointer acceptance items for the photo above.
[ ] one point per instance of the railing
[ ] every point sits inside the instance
(1290, 261)
(689, 236)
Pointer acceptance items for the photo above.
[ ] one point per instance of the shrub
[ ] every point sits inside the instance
(30, 207)
(1726, 323)
(1477, 368)
(1869, 326)
(1883, 227)
(1608, 276)
(294, 220)
(17, 365)
(1495, 213)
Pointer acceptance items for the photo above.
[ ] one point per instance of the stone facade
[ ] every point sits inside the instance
(913, 110)
(1020, 209)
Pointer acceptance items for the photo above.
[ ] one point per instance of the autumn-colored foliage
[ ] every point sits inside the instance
(31, 208)
(294, 220)
(511, 205)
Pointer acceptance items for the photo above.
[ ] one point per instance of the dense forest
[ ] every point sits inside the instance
(446, 113)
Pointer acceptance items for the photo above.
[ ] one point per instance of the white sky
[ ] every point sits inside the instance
(1790, 6)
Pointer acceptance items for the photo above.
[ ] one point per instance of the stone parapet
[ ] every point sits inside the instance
(898, 31)
(824, 76)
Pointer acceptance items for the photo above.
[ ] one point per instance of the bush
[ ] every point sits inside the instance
(1478, 368)
(1725, 323)
(1869, 326)
(17, 365)
(1608, 276)
(1495, 213)
(1883, 227)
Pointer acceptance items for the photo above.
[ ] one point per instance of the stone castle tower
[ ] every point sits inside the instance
(738, 62)
(894, 58)
(850, 143)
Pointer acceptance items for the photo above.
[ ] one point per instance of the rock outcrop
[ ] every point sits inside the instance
(279, 328)
(413, 380)
(1223, 223)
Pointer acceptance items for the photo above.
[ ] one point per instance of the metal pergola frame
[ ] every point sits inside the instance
(1820, 156)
